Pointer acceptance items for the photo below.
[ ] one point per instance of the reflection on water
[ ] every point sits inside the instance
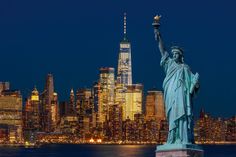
(80, 151)
(104, 151)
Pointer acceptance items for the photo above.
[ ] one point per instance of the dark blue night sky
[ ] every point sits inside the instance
(73, 39)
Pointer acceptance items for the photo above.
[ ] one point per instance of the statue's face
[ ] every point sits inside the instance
(177, 57)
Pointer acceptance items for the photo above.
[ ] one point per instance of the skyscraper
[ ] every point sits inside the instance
(11, 116)
(32, 116)
(54, 112)
(47, 99)
(120, 91)
(124, 73)
(71, 107)
(127, 94)
(84, 103)
(95, 92)
(32, 112)
(155, 105)
(106, 92)
(133, 101)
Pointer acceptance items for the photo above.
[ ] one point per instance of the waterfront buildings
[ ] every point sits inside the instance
(231, 129)
(209, 129)
(83, 125)
(109, 112)
(11, 121)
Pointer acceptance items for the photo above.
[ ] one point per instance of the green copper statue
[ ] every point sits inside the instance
(180, 85)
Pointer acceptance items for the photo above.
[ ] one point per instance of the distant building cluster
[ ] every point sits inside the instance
(111, 111)
(210, 130)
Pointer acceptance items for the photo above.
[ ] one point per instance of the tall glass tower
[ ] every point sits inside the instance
(106, 94)
(47, 99)
(124, 73)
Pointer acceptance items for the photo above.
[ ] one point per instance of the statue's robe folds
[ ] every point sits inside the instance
(179, 85)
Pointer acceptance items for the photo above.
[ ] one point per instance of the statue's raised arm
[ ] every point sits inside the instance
(157, 33)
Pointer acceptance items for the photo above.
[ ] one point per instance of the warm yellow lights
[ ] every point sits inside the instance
(27, 143)
(133, 101)
(34, 98)
(99, 141)
(91, 140)
(95, 141)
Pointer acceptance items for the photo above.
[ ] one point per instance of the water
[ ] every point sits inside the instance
(105, 151)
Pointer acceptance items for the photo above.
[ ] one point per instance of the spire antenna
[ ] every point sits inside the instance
(124, 25)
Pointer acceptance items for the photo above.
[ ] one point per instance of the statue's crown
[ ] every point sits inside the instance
(177, 49)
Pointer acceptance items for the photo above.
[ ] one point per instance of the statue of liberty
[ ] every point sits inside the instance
(180, 85)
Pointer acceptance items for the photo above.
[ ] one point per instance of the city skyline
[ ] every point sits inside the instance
(61, 41)
(80, 121)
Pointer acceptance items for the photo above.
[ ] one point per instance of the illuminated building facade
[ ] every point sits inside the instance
(231, 129)
(84, 106)
(54, 112)
(151, 131)
(133, 130)
(32, 112)
(68, 117)
(95, 93)
(115, 123)
(139, 127)
(32, 116)
(106, 93)
(72, 107)
(11, 117)
(163, 131)
(133, 101)
(155, 105)
(213, 130)
(84, 101)
(97, 125)
(69, 124)
(202, 128)
(120, 91)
